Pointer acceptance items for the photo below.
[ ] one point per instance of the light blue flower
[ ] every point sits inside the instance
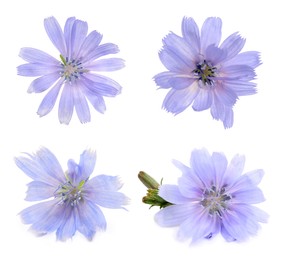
(74, 75)
(203, 73)
(72, 200)
(213, 197)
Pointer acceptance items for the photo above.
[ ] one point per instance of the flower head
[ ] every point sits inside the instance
(75, 73)
(213, 197)
(202, 72)
(72, 199)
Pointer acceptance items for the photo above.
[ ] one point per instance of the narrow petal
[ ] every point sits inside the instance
(247, 180)
(234, 169)
(101, 85)
(237, 72)
(248, 196)
(174, 61)
(42, 167)
(202, 164)
(109, 199)
(67, 34)
(177, 101)
(67, 228)
(66, 104)
(220, 164)
(87, 163)
(215, 55)
(241, 88)
(45, 216)
(101, 50)
(38, 190)
(233, 227)
(228, 118)
(203, 100)
(171, 194)
(210, 33)
(37, 56)
(55, 34)
(49, 100)
(43, 83)
(179, 47)
(97, 101)
(173, 215)
(198, 226)
(181, 82)
(233, 44)
(225, 96)
(91, 42)
(163, 79)
(217, 109)
(110, 64)
(91, 218)
(81, 105)
(105, 182)
(81, 226)
(78, 35)
(36, 69)
(248, 58)
(190, 33)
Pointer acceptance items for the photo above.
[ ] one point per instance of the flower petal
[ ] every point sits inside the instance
(215, 55)
(55, 34)
(36, 69)
(67, 34)
(101, 85)
(109, 199)
(38, 190)
(67, 228)
(43, 83)
(96, 100)
(49, 100)
(163, 79)
(234, 170)
(81, 105)
(171, 194)
(243, 72)
(210, 33)
(177, 101)
(37, 56)
(225, 96)
(190, 33)
(90, 44)
(233, 44)
(99, 51)
(203, 100)
(181, 82)
(248, 196)
(105, 182)
(180, 48)
(240, 87)
(173, 215)
(248, 58)
(87, 163)
(202, 165)
(66, 104)
(78, 35)
(220, 164)
(110, 64)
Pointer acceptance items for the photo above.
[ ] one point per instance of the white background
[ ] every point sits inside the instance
(135, 133)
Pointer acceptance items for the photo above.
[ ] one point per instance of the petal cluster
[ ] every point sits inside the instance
(204, 73)
(213, 197)
(74, 75)
(71, 200)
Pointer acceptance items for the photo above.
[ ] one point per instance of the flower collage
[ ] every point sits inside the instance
(140, 126)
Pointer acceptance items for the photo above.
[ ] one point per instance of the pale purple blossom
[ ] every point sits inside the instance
(213, 197)
(70, 200)
(204, 73)
(74, 74)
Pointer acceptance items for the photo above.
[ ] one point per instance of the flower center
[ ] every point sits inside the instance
(70, 194)
(71, 69)
(205, 72)
(215, 200)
